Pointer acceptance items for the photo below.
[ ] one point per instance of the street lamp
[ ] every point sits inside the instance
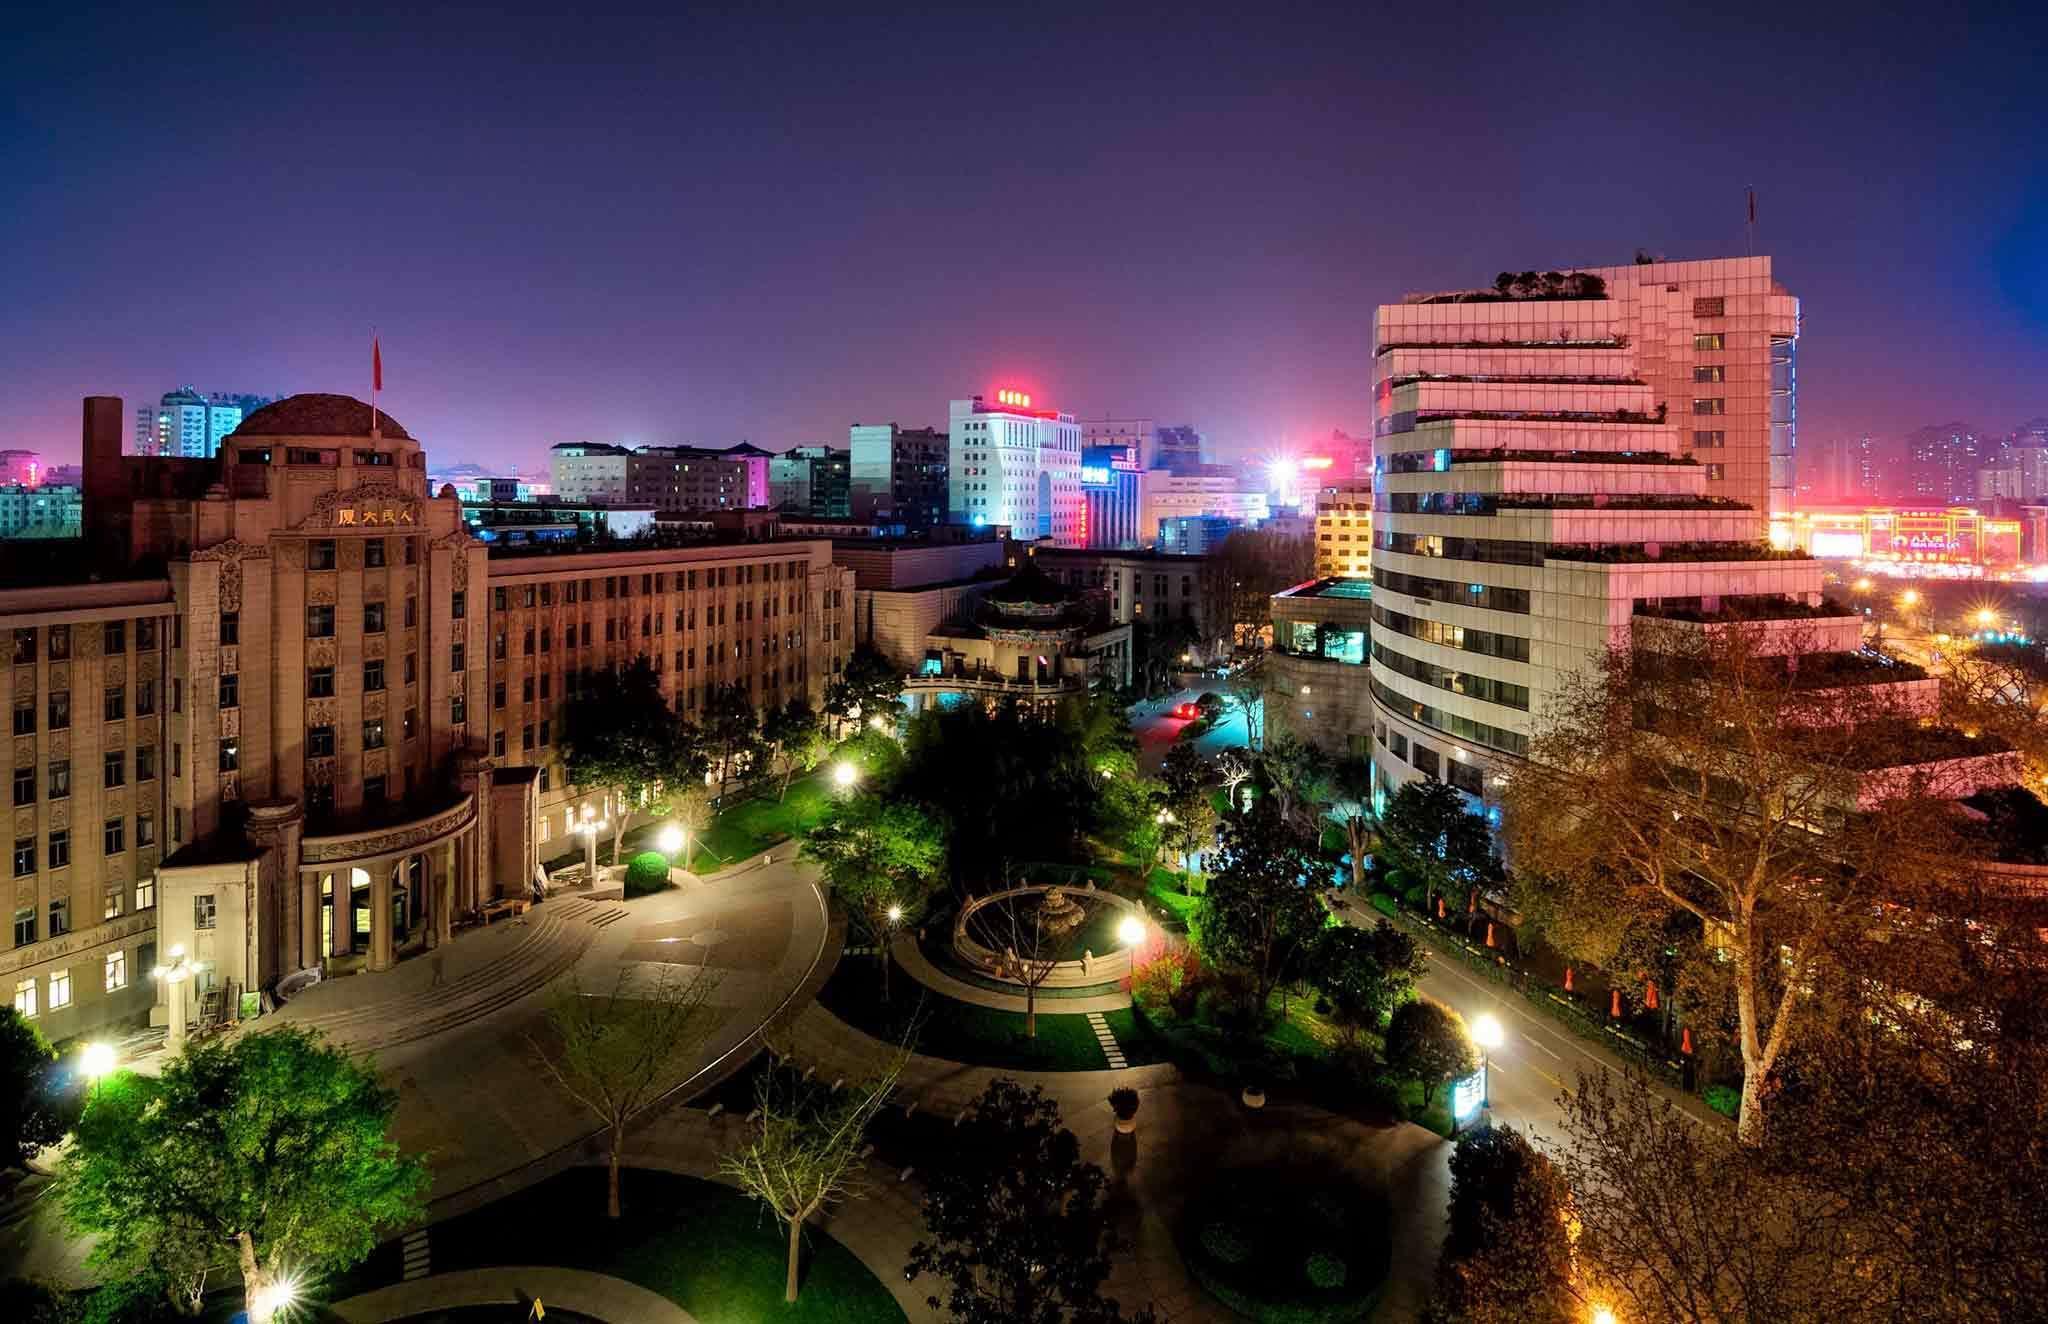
(272, 1299)
(672, 839)
(1986, 618)
(1131, 931)
(1603, 1315)
(97, 1061)
(589, 824)
(844, 775)
(177, 972)
(1488, 1034)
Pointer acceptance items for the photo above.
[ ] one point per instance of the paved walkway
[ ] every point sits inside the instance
(919, 967)
(594, 1294)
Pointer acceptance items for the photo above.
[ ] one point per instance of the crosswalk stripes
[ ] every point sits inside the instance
(417, 1256)
(1107, 1040)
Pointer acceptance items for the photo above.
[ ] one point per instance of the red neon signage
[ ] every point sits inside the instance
(1007, 396)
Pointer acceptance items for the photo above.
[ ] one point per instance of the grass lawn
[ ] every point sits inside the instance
(752, 826)
(1162, 889)
(979, 1036)
(704, 1246)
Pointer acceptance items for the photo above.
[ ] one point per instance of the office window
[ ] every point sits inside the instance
(60, 710)
(412, 550)
(111, 905)
(320, 683)
(230, 628)
(498, 646)
(319, 742)
(60, 920)
(114, 768)
(114, 638)
(373, 733)
(320, 621)
(145, 886)
(25, 785)
(114, 704)
(526, 736)
(60, 642)
(527, 648)
(458, 605)
(497, 694)
(545, 725)
(145, 763)
(501, 599)
(145, 829)
(373, 553)
(24, 865)
(177, 759)
(412, 612)
(320, 555)
(1706, 340)
(114, 836)
(25, 990)
(497, 744)
(1715, 471)
(411, 724)
(230, 755)
(547, 639)
(145, 697)
(60, 983)
(1709, 372)
(60, 778)
(1716, 405)
(25, 647)
(230, 690)
(1703, 439)
(373, 675)
(203, 910)
(116, 971)
(526, 690)
(373, 618)
(319, 800)
(458, 709)
(412, 668)
(458, 658)
(145, 634)
(177, 695)
(25, 717)
(60, 848)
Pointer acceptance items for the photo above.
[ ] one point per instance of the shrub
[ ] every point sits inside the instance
(1326, 1271)
(646, 872)
(1724, 1099)
(1123, 1101)
(1171, 979)
(1385, 904)
(1226, 1243)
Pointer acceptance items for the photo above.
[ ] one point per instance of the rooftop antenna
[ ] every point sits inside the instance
(1749, 241)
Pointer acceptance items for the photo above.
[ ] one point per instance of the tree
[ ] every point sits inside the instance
(732, 732)
(1428, 1043)
(883, 860)
(1351, 807)
(1245, 694)
(867, 687)
(615, 1052)
(2000, 689)
(1255, 564)
(1365, 973)
(1025, 950)
(32, 1112)
(805, 1153)
(618, 732)
(1233, 766)
(1160, 646)
(1015, 1227)
(271, 1150)
(1508, 1256)
(1764, 791)
(1301, 779)
(795, 738)
(1263, 905)
(1427, 833)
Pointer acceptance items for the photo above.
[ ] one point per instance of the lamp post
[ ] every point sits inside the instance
(589, 824)
(1488, 1034)
(174, 974)
(672, 839)
(844, 775)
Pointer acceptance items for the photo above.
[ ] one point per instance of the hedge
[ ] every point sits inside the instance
(646, 872)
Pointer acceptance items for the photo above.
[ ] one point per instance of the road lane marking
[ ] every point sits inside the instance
(1531, 1040)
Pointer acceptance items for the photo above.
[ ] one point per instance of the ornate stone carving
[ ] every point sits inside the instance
(455, 539)
(373, 704)
(25, 753)
(60, 815)
(114, 671)
(230, 554)
(60, 743)
(320, 592)
(320, 712)
(373, 646)
(327, 850)
(85, 641)
(25, 822)
(231, 721)
(291, 554)
(230, 786)
(230, 661)
(376, 762)
(320, 653)
(60, 676)
(319, 772)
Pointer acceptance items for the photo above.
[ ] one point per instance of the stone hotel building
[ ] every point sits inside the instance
(284, 711)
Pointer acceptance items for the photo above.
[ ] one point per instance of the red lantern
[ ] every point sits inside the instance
(1650, 994)
(1439, 907)
(1567, 979)
(1685, 1041)
(1489, 935)
(1472, 906)
(1614, 1007)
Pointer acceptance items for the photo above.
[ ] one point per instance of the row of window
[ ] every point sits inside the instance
(1465, 776)
(1488, 643)
(1505, 693)
(320, 553)
(1499, 551)
(113, 773)
(1491, 596)
(57, 847)
(1451, 724)
(113, 707)
(621, 586)
(114, 637)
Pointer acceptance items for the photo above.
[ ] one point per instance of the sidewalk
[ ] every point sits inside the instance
(914, 962)
(593, 1294)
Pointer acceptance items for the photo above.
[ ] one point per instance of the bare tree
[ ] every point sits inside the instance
(1245, 693)
(804, 1151)
(1742, 796)
(1235, 767)
(1024, 948)
(615, 1052)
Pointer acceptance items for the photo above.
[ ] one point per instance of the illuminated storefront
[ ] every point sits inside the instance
(1953, 535)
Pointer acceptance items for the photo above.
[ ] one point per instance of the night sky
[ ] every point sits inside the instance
(712, 227)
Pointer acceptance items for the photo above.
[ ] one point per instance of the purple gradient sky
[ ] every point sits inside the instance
(705, 228)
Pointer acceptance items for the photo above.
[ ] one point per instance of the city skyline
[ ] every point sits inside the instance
(671, 259)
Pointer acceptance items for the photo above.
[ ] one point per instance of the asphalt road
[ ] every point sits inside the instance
(1156, 728)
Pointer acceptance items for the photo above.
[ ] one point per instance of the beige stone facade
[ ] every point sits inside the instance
(334, 712)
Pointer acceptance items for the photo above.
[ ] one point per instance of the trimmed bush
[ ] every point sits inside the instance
(646, 872)
(1325, 1271)
(1244, 1244)
(1385, 904)
(1724, 1099)
(1225, 1243)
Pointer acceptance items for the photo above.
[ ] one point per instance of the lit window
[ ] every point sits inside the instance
(25, 997)
(60, 989)
(117, 971)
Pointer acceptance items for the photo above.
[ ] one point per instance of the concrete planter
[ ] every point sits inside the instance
(1253, 1097)
(1126, 1125)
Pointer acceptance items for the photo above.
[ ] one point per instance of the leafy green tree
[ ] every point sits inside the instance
(1428, 1043)
(1301, 778)
(883, 860)
(1351, 809)
(795, 738)
(867, 687)
(1015, 1228)
(33, 1111)
(732, 733)
(1365, 973)
(615, 1052)
(619, 732)
(1508, 1256)
(270, 1150)
(804, 1152)
(1263, 906)
(1255, 564)
(1427, 833)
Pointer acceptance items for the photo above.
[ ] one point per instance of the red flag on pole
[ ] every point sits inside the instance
(376, 365)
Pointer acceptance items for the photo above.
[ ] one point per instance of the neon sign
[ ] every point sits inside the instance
(1092, 476)
(1317, 462)
(1010, 397)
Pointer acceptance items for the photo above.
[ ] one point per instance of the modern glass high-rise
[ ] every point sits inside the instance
(1552, 460)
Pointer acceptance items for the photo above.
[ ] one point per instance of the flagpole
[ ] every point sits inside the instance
(1749, 231)
(376, 381)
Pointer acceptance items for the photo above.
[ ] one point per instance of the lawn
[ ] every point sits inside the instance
(1163, 889)
(752, 826)
(704, 1246)
(939, 1026)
